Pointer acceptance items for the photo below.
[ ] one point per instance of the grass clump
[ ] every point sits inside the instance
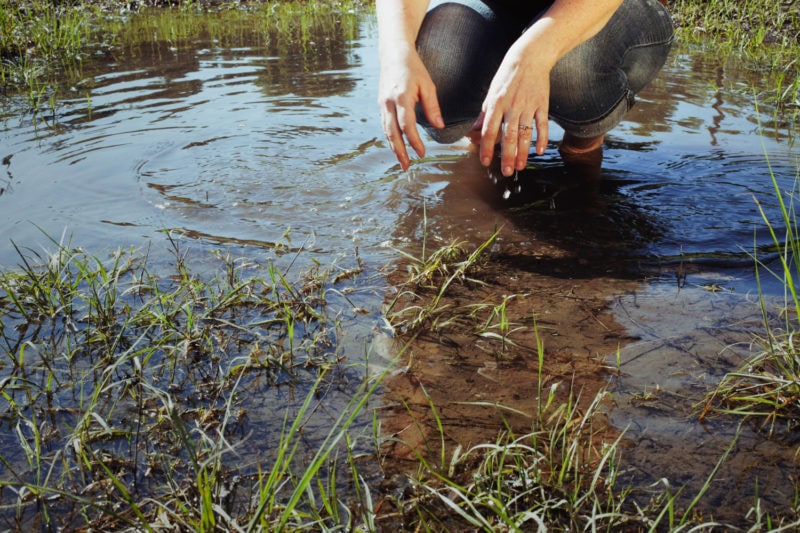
(563, 475)
(39, 43)
(765, 35)
(46, 47)
(127, 395)
(766, 389)
(419, 301)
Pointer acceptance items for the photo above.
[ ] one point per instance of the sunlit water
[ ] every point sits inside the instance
(243, 148)
(237, 146)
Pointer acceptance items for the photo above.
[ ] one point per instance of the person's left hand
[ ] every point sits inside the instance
(518, 96)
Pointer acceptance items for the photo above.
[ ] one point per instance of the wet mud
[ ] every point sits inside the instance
(556, 294)
(655, 334)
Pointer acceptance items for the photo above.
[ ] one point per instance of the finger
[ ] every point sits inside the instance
(523, 143)
(489, 135)
(430, 105)
(392, 131)
(542, 130)
(407, 122)
(508, 150)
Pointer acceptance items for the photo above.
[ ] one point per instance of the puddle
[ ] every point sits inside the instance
(233, 145)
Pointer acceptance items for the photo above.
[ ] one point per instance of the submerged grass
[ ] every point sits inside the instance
(125, 395)
(562, 475)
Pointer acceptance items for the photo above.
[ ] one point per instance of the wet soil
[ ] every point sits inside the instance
(478, 385)
(556, 294)
(658, 336)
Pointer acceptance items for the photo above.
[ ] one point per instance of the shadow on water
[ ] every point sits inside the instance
(233, 134)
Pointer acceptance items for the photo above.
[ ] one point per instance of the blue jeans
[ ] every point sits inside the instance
(462, 43)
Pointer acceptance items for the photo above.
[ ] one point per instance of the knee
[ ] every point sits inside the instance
(461, 45)
(455, 40)
(594, 85)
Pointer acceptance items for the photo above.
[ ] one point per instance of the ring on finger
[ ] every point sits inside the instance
(525, 127)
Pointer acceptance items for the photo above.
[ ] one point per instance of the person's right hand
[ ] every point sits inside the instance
(405, 82)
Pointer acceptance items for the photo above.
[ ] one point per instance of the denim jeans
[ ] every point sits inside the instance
(462, 43)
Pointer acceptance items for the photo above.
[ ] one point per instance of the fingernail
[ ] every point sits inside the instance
(507, 170)
(485, 161)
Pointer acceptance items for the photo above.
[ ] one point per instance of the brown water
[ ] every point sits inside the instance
(234, 145)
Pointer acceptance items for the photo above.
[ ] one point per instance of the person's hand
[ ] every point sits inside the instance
(405, 82)
(518, 97)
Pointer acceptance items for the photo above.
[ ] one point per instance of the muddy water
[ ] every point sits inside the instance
(231, 146)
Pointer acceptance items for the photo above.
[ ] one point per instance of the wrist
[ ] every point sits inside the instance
(536, 48)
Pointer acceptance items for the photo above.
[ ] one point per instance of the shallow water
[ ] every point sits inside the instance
(233, 146)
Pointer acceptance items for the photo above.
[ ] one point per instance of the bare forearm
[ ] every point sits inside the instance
(398, 24)
(565, 25)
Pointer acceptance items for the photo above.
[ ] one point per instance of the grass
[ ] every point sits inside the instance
(766, 389)
(127, 394)
(432, 273)
(762, 35)
(127, 391)
(44, 46)
(563, 474)
(47, 49)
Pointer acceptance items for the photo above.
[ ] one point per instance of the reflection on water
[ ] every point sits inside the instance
(243, 142)
(234, 142)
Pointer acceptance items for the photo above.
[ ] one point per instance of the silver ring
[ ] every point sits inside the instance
(524, 127)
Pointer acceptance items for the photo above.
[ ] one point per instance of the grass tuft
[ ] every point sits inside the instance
(766, 389)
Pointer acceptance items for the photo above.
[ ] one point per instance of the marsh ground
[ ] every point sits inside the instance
(223, 130)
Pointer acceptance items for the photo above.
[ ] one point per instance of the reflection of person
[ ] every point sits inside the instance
(497, 67)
